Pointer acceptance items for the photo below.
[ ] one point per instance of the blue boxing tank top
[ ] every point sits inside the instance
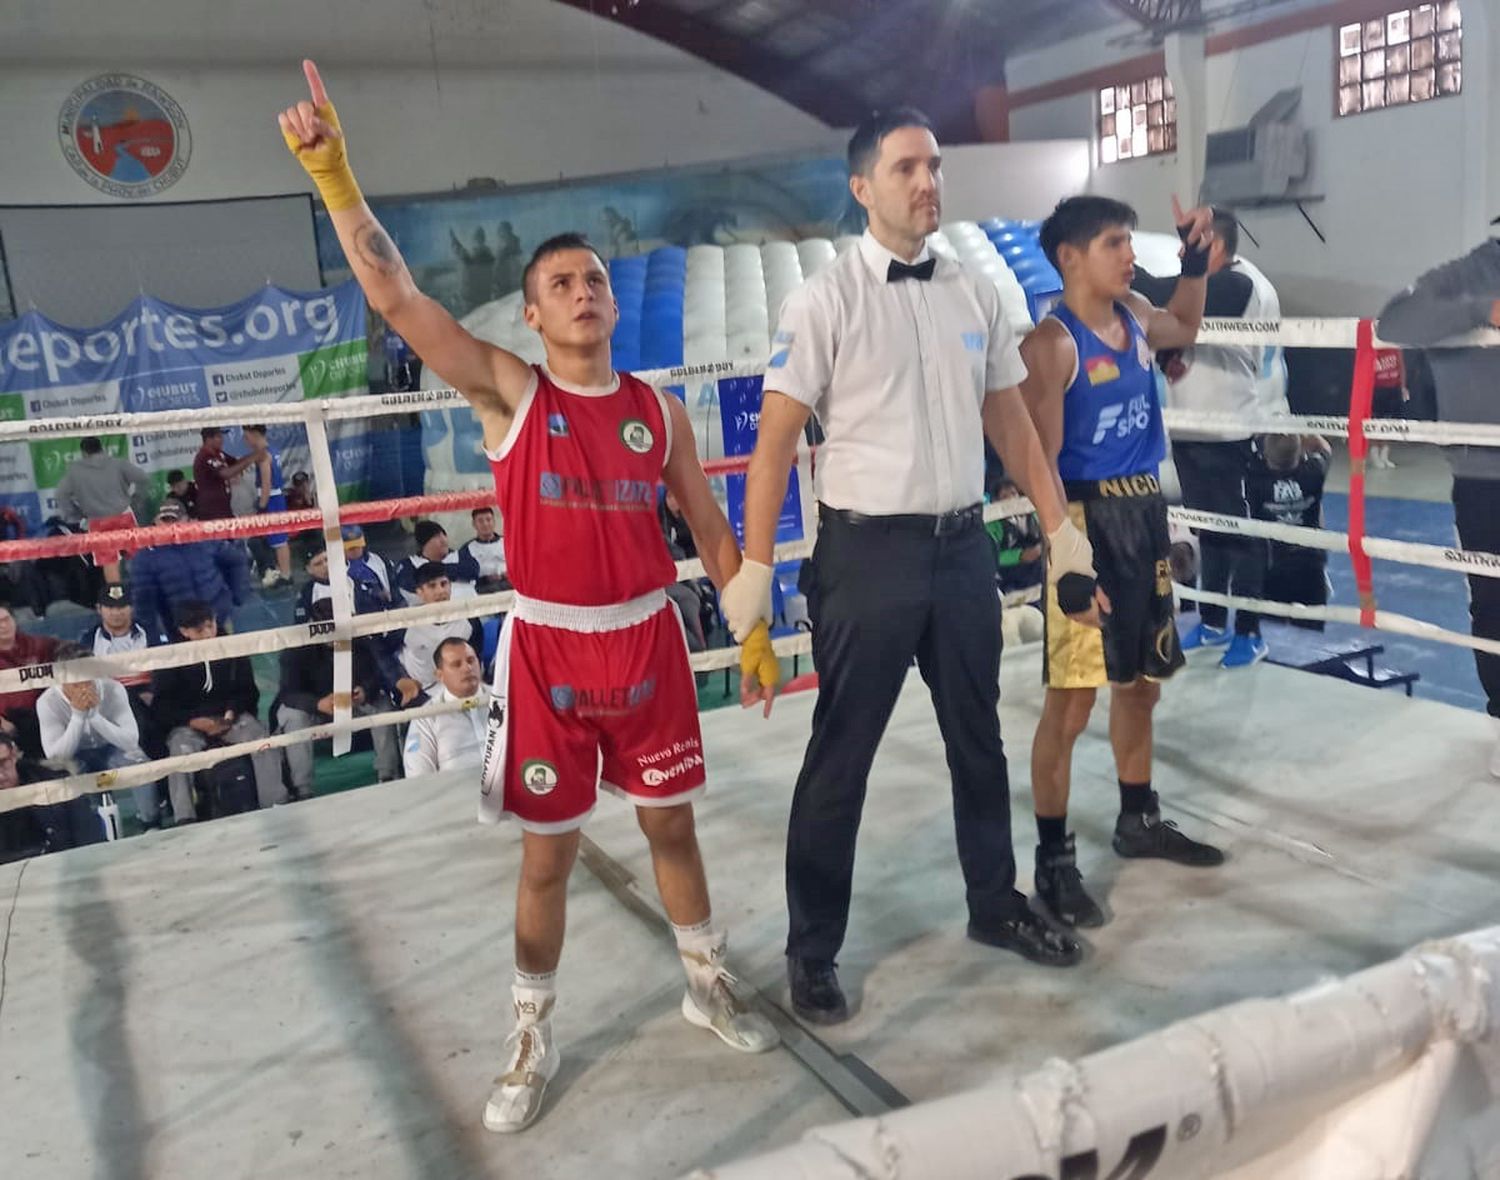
(276, 485)
(1112, 423)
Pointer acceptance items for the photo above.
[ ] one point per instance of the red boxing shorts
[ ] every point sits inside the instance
(588, 697)
(110, 554)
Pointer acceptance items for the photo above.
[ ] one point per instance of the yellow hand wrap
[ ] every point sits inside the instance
(757, 659)
(327, 162)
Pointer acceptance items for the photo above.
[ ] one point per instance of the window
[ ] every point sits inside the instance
(1137, 120)
(1406, 56)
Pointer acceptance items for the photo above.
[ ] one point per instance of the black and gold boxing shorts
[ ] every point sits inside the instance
(1125, 520)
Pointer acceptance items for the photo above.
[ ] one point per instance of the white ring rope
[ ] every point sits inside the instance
(345, 627)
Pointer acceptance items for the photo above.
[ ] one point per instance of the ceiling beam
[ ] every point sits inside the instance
(824, 98)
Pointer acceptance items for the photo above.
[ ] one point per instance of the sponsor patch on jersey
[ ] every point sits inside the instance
(1101, 369)
(557, 426)
(636, 435)
(974, 341)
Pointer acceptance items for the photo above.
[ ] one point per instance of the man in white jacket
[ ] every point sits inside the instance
(452, 740)
(90, 724)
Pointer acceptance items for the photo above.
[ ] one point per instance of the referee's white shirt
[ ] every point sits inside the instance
(896, 373)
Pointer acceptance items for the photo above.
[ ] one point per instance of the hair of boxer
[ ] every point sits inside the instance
(1281, 451)
(864, 144)
(556, 244)
(1077, 221)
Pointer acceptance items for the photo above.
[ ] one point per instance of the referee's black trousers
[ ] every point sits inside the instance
(878, 596)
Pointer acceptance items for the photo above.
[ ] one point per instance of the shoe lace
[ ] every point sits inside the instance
(529, 1053)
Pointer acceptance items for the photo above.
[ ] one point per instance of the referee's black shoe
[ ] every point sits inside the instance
(816, 994)
(1031, 937)
(1059, 886)
(1146, 834)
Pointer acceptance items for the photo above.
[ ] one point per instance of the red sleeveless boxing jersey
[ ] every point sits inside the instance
(576, 481)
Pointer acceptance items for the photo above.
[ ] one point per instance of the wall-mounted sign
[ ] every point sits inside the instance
(124, 135)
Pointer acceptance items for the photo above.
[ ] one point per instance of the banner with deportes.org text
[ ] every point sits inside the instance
(275, 346)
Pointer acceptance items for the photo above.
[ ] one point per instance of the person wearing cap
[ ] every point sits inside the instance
(117, 631)
(306, 699)
(1452, 300)
(367, 590)
(216, 572)
(90, 725)
(432, 586)
(366, 567)
(432, 546)
(214, 473)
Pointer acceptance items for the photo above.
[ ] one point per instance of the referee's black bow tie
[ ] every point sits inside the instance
(899, 270)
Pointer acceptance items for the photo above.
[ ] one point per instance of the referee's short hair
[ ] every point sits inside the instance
(864, 144)
(1077, 221)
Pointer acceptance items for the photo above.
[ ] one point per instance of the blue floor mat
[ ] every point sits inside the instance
(1434, 596)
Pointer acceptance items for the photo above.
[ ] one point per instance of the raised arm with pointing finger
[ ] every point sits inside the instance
(492, 379)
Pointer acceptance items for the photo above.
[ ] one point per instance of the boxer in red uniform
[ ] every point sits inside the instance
(592, 680)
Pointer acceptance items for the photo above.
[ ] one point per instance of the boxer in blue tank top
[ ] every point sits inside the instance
(1092, 393)
(270, 497)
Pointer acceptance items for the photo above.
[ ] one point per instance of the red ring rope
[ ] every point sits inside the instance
(1361, 394)
(303, 520)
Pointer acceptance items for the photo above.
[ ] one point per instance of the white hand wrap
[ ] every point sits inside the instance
(746, 598)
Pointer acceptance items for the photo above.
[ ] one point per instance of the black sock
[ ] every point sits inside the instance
(1052, 832)
(1137, 798)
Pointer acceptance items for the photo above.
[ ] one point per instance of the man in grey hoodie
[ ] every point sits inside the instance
(1452, 300)
(99, 489)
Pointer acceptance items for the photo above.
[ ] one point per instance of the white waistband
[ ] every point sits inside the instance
(615, 617)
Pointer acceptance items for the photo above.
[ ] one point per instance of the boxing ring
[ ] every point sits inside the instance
(322, 988)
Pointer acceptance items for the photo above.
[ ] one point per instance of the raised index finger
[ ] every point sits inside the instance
(315, 84)
(1177, 213)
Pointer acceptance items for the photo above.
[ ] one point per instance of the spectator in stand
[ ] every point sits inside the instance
(367, 567)
(422, 639)
(183, 490)
(369, 595)
(306, 699)
(90, 725)
(450, 741)
(211, 704)
(26, 586)
(1018, 544)
(57, 825)
(18, 709)
(166, 576)
(99, 489)
(1391, 396)
(487, 551)
(300, 495)
(432, 546)
(214, 474)
(270, 496)
(1285, 485)
(117, 631)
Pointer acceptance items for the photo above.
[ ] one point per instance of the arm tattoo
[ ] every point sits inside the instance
(376, 250)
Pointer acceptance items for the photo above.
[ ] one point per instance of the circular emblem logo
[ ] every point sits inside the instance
(124, 135)
(636, 435)
(538, 777)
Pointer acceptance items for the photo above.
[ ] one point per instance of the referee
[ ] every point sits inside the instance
(909, 365)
